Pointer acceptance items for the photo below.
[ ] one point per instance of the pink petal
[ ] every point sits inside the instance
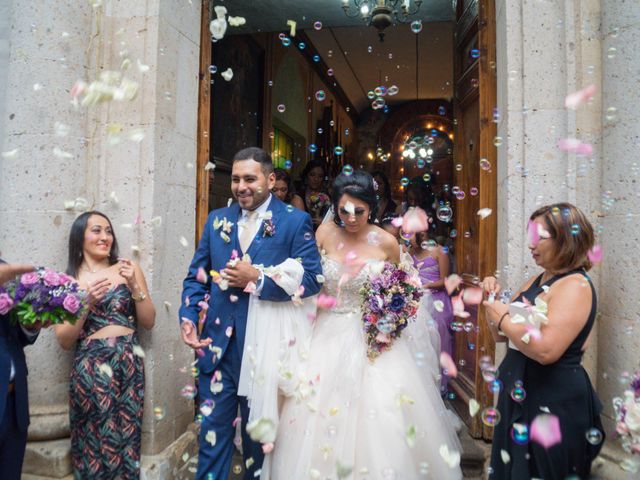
(533, 237)
(397, 222)
(414, 221)
(250, 288)
(228, 332)
(575, 99)
(203, 305)
(235, 421)
(383, 338)
(200, 352)
(472, 296)
(595, 254)
(326, 302)
(233, 298)
(201, 276)
(545, 430)
(267, 448)
(447, 363)
(452, 282)
(234, 254)
(573, 145)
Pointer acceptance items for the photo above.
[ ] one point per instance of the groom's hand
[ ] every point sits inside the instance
(190, 336)
(240, 274)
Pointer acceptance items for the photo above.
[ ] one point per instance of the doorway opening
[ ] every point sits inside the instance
(416, 108)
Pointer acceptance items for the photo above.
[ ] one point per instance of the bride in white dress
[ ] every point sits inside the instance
(355, 418)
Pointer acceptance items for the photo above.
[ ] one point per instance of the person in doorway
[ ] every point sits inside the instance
(432, 262)
(386, 206)
(542, 376)
(106, 391)
(283, 189)
(14, 401)
(316, 201)
(240, 243)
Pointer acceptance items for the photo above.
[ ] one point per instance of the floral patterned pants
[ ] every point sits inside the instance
(106, 398)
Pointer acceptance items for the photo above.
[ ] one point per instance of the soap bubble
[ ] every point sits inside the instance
(393, 90)
(404, 181)
(316, 58)
(444, 213)
(317, 25)
(313, 148)
(282, 108)
(594, 436)
(490, 417)
(158, 413)
(347, 170)
(207, 407)
(286, 41)
(426, 177)
(288, 164)
(301, 45)
(520, 433)
(416, 26)
(442, 111)
(518, 393)
(213, 69)
(497, 141)
(320, 95)
(485, 164)
(474, 53)
(338, 150)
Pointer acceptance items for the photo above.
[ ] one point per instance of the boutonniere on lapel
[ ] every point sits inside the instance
(226, 228)
(268, 228)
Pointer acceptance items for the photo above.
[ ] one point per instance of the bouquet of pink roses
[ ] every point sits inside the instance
(627, 412)
(319, 204)
(390, 301)
(44, 296)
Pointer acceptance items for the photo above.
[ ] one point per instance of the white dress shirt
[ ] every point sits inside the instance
(262, 212)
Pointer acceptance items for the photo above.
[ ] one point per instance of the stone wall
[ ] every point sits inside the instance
(143, 178)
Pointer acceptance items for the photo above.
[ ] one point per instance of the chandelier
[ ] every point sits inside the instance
(382, 13)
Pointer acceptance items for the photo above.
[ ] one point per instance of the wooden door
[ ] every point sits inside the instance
(475, 158)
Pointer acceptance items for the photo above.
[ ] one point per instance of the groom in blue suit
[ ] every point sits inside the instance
(263, 228)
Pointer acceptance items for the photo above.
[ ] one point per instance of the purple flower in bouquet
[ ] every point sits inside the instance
(6, 302)
(71, 304)
(397, 302)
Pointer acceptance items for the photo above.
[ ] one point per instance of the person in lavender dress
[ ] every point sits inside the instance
(432, 262)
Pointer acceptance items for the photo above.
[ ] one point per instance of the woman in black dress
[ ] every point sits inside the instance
(542, 371)
(316, 201)
(386, 206)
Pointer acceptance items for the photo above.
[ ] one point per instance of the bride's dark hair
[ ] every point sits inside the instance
(359, 185)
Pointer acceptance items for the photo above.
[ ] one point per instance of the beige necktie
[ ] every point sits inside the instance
(249, 231)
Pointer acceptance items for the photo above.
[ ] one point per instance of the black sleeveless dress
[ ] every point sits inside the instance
(562, 389)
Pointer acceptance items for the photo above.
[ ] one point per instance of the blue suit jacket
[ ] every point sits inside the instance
(12, 342)
(293, 238)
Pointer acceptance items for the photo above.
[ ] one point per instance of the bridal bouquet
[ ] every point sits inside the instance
(44, 296)
(390, 301)
(627, 412)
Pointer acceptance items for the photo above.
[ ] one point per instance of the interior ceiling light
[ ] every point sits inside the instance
(382, 13)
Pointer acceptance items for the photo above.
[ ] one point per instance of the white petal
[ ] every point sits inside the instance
(227, 74)
(61, 154)
(142, 68)
(10, 154)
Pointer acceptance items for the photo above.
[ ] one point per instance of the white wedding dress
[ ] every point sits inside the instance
(350, 418)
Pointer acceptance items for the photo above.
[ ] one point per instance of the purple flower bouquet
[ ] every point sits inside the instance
(389, 301)
(43, 296)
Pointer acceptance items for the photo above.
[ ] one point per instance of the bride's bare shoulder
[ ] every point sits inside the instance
(324, 232)
(389, 244)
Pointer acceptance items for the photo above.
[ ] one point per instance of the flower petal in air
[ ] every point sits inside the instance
(595, 254)
(414, 221)
(447, 363)
(573, 145)
(575, 99)
(545, 430)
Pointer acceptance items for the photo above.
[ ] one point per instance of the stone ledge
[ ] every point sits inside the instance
(49, 459)
(49, 422)
(607, 464)
(178, 460)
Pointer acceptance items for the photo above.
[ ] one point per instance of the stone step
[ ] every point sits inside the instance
(49, 459)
